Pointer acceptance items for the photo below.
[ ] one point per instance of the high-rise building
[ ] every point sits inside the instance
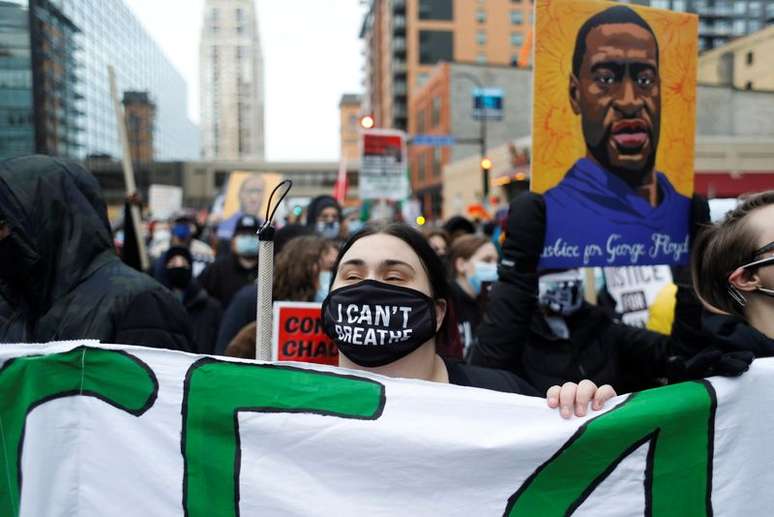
(231, 81)
(349, 126)
(54, 90)
(404, 39)
(721, 20)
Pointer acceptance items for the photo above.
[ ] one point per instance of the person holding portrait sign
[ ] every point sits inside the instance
(616, 107)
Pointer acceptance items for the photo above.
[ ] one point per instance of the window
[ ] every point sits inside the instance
(750, 58)
(754, 9)
(436, 10)
(240, 20)
(748, 85)
(517, 17)
(481, 58)
(421, 167)
(678, 5)
(435, 46)
(435, 113)
(421, 121)
(436, 162)
(739, 27)
(740, 8)
(481, 16)
(660, 4)
(517, 39)
(481, 37)
(754, 25)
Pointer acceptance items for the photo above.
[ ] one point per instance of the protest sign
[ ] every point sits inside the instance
(613, 132)
(383, 165)
(164, 200)
(634, 288)
(298, 335)
(119, 430)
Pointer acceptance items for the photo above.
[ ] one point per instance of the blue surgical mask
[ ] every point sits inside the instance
(355, 226)
(247, 245)
(328, 230)
(483, 272)
(325, 283)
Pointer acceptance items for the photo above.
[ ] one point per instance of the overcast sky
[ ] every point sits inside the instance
(311, 56)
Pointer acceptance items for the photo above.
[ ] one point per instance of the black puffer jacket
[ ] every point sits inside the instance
(59, 275)
(515, 335)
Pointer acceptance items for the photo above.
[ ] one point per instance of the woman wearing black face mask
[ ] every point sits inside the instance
(204, 311)
(387, 313)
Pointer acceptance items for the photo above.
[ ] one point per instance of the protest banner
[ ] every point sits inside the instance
(634, 288)
(164, 200)
(297, 334)
(383, 165)
(613, 132)
(114, 430)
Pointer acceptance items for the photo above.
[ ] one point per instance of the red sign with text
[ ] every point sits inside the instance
(298, 335)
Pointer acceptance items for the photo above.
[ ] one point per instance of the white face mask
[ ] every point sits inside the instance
(483, 272)
(324, 285)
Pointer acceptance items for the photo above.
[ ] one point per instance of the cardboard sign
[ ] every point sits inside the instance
(164, 200)
(613, 132)
(298, 335)
(634, 288)
(383, 165)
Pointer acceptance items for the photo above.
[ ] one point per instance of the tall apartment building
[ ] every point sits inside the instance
(349, 127)
(405, 39)
(231, 82)
(54, 90)
(721, 20)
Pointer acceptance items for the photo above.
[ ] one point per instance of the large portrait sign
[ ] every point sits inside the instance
(613, 132)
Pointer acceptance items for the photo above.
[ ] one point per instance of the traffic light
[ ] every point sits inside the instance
(486, 164)
(367, 121)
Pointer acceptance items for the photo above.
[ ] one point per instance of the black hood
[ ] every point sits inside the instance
(319, 204)
(734, 333)
(58, 223)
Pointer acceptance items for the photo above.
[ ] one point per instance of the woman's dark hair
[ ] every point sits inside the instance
(720, 249)
(448, 342)
(464, 247)
(297, 267)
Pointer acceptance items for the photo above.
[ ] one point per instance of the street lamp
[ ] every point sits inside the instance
(481, 140)
(367, 122)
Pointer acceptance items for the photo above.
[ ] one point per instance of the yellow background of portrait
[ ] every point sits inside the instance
(235, 180)
(557, 139)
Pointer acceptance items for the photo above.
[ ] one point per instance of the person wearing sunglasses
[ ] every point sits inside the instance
(733, 271)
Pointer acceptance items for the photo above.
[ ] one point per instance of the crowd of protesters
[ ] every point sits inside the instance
(482, 312)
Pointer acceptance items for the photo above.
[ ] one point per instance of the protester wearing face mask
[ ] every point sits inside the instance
(182, 232)
(538, 326)
(203, 311)
(324, 216)
(228, 274)
(302, 273)
(734, 277)
(473, 259)
(388, 313)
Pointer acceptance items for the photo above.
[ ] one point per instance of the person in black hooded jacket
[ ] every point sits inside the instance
(205, 312)
(519, 335)
(60, 277)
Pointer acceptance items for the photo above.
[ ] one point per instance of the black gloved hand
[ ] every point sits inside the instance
(525, 234)
(709, 362)
(699, 219)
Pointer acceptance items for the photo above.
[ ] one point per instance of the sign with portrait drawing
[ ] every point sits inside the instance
(613, 132)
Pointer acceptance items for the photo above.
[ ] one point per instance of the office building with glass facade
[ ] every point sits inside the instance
(721, 20)
(54, 89)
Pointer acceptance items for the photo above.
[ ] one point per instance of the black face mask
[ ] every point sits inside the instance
(179, 277)
(374, 323)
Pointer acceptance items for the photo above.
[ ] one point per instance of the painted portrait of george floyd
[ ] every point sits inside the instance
(613, 132)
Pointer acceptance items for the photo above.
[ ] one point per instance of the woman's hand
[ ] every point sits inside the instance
(576, 397)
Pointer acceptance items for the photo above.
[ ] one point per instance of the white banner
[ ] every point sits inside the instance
(123, 431)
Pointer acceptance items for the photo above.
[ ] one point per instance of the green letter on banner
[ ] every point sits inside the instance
(115, 377)
(216, 391)
(677, 421)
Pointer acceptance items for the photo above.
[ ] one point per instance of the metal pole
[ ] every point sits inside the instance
(484, 172)
(131, 187)
(265, 281)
